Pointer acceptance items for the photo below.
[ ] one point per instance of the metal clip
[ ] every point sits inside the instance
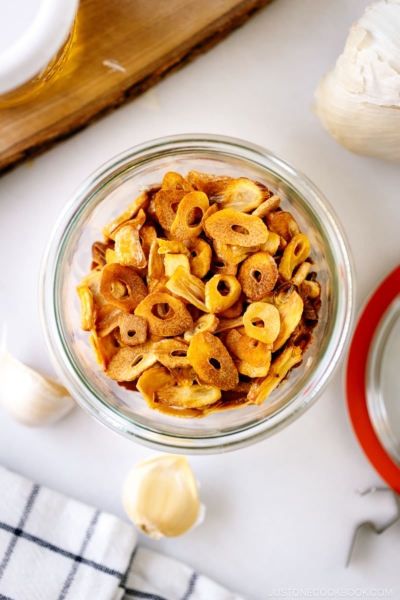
(373, 526)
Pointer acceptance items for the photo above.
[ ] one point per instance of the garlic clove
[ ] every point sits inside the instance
(358, 101)
(160, 496)
(28, 396)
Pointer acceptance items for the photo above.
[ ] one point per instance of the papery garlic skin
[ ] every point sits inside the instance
(28, 396)
(160, 496)
(358, 101)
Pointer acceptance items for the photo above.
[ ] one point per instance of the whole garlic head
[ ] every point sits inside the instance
(358, 101)
(160, 496)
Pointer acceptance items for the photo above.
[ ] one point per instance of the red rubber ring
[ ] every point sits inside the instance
(355, 379)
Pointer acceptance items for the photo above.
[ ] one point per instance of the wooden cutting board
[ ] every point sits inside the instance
(144, 40)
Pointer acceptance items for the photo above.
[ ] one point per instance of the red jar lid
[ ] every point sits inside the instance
(356, 378)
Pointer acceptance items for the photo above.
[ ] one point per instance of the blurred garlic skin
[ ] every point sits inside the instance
(28, 396)
(358, 101)
(160, 496)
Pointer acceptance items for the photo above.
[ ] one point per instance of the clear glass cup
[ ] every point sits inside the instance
(33, 49)
(68, 256)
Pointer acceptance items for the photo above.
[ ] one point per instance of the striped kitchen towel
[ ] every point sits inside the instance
(56, 548)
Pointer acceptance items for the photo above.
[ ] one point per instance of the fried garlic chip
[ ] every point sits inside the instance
(175, 181)
(212, 361)
(210, 211)
(311, 289)
(266, 207)
(158, 378)
(295, 253)
(219, 266)
(107, 319)
(246, 368)
(253, 351)
(269, 317)
(147, 235)
(205, 181)
(172, 353)
(283, 224)
(93, 281)
(204, 323)
(153, 380)
(128, 249)
(240, 194)
(301, 273)
(133, 329)
(290, 314)
(135, 223)
(172, 247)
(272, 244)
(232, 227)
(99, 254)
(258, 275)
(233, 311)
(262, 388)
(130, 362)
(233, 254)
(173, 261)
(156, 262)
(189, 287)
(195, 396)
(104, 348)
(88, 308)
(165, 315)
(184, 376)
(129, 213)
(110, 256)
(122, 287)
(221, 292)
(200, 254)
(188, 220)
(166, 204)
(229, 323)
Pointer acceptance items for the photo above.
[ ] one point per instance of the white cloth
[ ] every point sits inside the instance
(56, 548)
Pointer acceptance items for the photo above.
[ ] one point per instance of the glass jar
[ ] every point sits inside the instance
(68, 257)
(35, 40)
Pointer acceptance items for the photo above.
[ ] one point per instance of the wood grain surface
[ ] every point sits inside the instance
(147, 38)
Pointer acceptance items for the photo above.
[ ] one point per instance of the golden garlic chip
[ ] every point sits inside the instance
(172, 353)
(128, 363)
(296, 252)
(122, 287)
(165, 315)
(200, 254)
(258, 275)
(107, 319)
(222, 291)
(246, 348)
(88, 308)
(283, 224)
(232, 227)
(166, 205)
(268, 316)
(212, 361)
(188, 220)
(132, 329)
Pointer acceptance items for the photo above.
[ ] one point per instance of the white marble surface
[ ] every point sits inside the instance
(280, 514)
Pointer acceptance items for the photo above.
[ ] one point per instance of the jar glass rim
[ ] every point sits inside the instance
(82, 198)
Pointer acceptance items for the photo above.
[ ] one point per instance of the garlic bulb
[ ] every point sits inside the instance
(29, 397)
(358, 101)
(161, 497)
